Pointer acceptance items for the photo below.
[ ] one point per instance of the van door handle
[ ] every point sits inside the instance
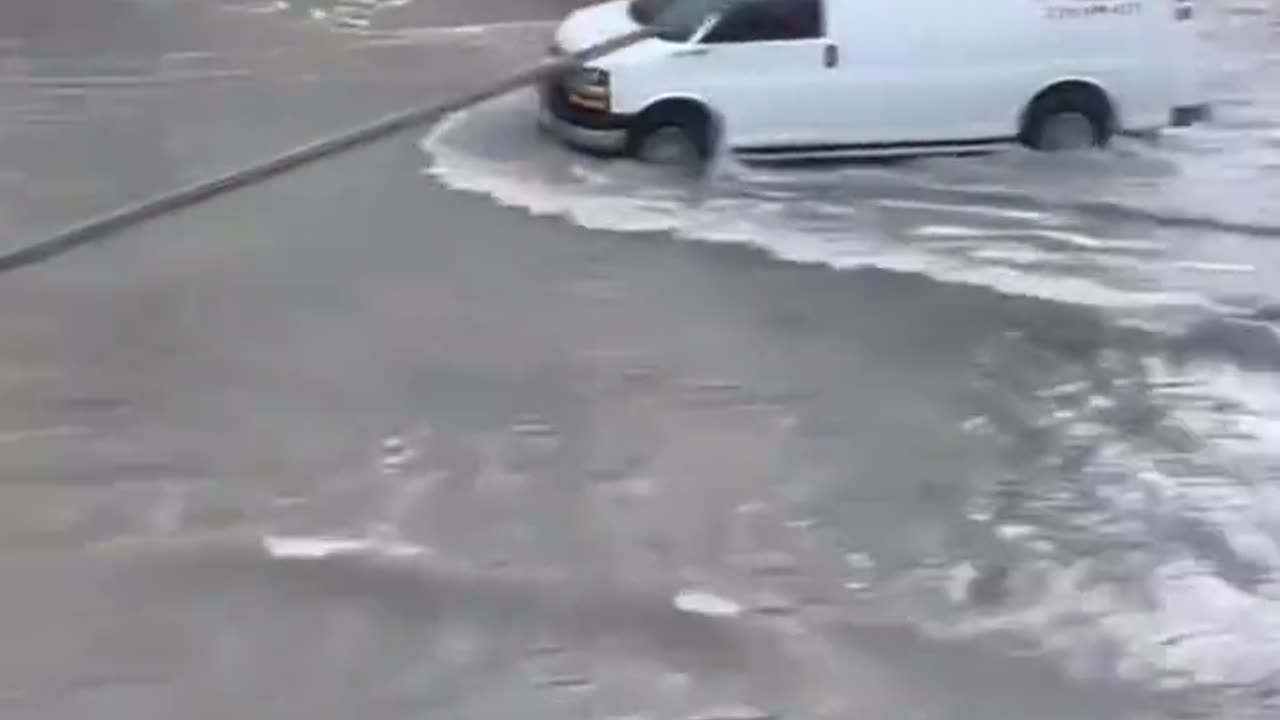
(830, 55)
(692, 52)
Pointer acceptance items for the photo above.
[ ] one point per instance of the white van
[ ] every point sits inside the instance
(784, 79)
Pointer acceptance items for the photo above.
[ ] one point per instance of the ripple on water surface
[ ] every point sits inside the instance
(1141, 536)
(1021, 223)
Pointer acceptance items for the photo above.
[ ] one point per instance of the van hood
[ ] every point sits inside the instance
(595, 24)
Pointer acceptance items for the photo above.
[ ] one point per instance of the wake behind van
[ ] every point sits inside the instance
(782, 79)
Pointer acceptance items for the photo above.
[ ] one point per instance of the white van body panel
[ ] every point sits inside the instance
(594, 24)
(911, 75)
(1187, 44)
(747, 112)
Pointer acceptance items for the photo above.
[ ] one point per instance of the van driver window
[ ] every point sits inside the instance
(763, 20)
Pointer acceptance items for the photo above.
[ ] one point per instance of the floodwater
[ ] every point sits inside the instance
(467, 425)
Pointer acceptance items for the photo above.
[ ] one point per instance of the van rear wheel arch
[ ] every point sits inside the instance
(1064, 101)
(690, 116)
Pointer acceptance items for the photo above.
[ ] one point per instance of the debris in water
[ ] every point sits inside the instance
(547, 649)
(533, 426)
(396, 453)
(773, 564)
(734, 712)
(568, 682)
(986, 586)
(775, 605)
(862, 570)
(704, 603)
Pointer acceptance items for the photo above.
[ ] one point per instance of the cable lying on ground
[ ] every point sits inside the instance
(102, 226)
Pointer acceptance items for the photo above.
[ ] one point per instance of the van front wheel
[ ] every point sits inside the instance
(671, 145)
(1067, 119)
(672, 134)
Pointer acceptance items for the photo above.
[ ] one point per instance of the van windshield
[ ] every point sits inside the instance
(674, 20)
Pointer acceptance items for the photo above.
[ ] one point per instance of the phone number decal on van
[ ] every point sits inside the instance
(1058, 10)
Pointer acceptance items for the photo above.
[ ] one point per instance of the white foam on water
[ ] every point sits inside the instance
(1197, 629)
(265, 7)
(1177, 616)
(1217, 267)
(1239, 409)
(324, 546)
(1060, 236)
(1006, 213)
(699, 602)
(440, 34)
(733, 712)
(899, 219)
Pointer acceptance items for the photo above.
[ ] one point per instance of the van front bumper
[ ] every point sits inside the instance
(593, 131)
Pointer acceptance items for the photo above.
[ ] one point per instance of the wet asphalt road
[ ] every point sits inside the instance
(547, 431)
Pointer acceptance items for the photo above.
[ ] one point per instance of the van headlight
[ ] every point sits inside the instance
(589, 88)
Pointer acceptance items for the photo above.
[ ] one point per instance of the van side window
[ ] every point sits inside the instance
(763, 20)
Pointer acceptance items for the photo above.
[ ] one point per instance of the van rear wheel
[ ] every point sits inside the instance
(1067, 119)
